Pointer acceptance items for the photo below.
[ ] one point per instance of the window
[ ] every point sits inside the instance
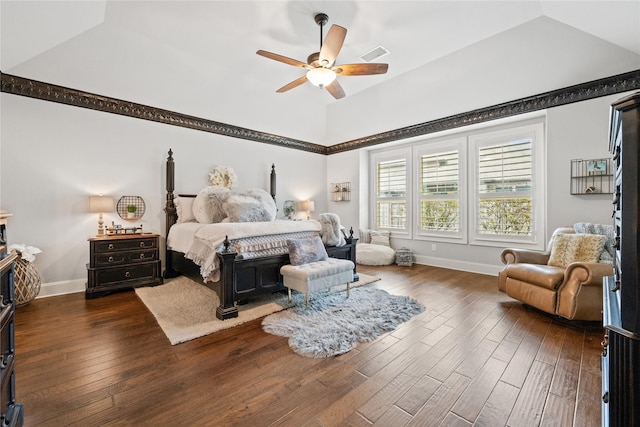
(441, 190)
(478, 187)
(508, 183)
(391, 190)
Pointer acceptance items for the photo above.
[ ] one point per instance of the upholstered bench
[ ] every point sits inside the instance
(317, 276)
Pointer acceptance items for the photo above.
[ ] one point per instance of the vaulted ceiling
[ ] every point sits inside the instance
(198, 57)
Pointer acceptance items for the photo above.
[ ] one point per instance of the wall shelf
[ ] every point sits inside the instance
(340, 191)
(593, 176)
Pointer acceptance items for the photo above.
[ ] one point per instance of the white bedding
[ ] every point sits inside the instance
(200, 242)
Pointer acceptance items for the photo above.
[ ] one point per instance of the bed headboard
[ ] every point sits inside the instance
(170, 207)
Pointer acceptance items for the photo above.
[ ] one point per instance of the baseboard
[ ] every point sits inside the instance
(62, 288)
(472, 267)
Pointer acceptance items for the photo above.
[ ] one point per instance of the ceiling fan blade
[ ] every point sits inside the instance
(335, 89)
(295, 83)
(284, 59)
(332, 45)
(360, 69)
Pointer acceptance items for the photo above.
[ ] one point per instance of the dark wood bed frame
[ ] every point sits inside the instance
(240, 279)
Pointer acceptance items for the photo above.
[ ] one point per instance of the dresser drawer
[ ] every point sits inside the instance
(124, 245)
(131, 273)
(122, 258)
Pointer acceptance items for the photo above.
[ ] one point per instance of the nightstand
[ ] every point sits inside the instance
(123, 261)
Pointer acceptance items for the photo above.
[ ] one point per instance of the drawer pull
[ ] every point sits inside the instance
(142, 244)
(127, 274)
(110, 245)
(142, 256)
(110, 259)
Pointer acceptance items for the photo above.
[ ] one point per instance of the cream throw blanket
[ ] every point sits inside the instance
(208, 239)
(331, 230)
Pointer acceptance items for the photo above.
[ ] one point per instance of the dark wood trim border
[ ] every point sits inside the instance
(581, 92)
(77, 98)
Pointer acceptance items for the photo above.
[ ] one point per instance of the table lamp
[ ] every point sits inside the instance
(100, 204)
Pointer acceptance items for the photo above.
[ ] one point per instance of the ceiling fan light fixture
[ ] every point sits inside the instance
(321, 76)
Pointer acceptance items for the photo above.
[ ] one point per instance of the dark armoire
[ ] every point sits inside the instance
(621, 292)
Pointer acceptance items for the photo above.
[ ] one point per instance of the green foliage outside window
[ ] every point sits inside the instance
(507, 216)
(392, 215)
(440, 215)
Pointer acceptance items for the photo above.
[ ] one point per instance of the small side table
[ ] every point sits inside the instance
(124, 261)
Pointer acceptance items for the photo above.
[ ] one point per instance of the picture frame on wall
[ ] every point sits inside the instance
(597, 167)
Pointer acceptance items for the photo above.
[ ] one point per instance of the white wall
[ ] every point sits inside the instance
(55, 156)
(574, 131)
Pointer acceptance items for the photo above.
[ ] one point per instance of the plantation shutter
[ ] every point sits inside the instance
(391, 194)
(504, 188)
(439, 191)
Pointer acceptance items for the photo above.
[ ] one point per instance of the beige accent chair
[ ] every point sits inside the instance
(574, 292)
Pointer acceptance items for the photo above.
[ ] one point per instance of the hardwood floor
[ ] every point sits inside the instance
(474, 357)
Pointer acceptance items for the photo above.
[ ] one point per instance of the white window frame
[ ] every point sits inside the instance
(384, 156)
(534, 131)
(431, 148)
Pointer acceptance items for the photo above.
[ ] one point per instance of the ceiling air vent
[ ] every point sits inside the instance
(376, 53)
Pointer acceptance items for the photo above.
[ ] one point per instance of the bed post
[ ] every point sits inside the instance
(273, 181)
(227, 309)
(171, 214)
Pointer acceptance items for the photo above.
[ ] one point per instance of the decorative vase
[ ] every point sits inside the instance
(27, 281)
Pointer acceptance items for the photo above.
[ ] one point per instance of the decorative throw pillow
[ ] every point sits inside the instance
(241, 208)
(568, 248)
(603, 229)
(380, 238)
(207, 206)
(184, 208)
(364, 236)
(266, 201)
(304, 251)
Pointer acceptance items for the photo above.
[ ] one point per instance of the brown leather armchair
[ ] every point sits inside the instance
(574, 292)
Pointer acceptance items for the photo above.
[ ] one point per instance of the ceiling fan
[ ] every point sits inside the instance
(320, 67)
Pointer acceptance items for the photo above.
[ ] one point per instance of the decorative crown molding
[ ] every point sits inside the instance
(63, 95)
(581, 92)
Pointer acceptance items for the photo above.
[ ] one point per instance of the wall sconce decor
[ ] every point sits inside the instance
(308, 206)
(340, 191)
(130, 207)
(100, 204)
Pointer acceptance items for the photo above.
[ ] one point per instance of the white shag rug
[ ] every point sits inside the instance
(186, 310)
(334, 324)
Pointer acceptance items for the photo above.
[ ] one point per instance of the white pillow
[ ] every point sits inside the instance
(241, 208)
(184, 208)
(266, 201)
(207, 207)
(380, 238)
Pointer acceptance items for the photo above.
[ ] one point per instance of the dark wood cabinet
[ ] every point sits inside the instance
(122, 262)
(11, 413)
(621, 292)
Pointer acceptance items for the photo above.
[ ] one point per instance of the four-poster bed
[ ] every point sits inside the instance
(239, 277)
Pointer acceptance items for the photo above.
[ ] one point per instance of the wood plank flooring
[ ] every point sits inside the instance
(474, 357)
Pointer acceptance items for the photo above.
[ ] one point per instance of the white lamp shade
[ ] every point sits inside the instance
(99, 204)
(320, 76)
(308, 205)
